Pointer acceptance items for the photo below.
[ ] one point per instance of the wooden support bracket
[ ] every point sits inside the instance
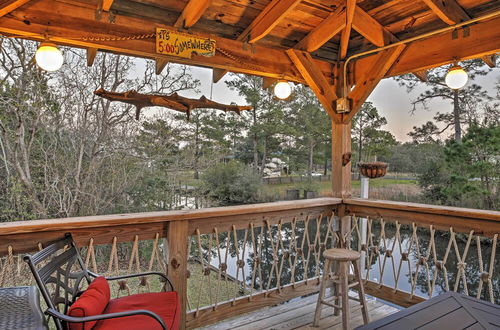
(315, 79)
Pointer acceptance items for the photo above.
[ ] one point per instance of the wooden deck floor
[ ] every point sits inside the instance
(299, 314)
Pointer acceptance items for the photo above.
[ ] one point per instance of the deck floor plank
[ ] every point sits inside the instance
(299, 313)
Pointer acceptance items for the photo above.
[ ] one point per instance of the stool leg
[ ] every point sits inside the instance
(344, 286)
(321, 294)
(336, 288)
(361, 292)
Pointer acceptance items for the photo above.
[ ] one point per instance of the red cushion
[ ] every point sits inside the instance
(92, 302)
(164, 304)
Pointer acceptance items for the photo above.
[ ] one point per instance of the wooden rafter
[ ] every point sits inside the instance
(106, 4)
(91, 54)
(428, 53)
(449, 11)
(268, 82)
(328, 28)
(315, 79)
(490, 60)
(267, 20)
(160, 64)
(346, 33)
(192, 13)
(173, 101)
(369, 28)
(218, 74)
(11, 6)
(422, 75)
(370, 77)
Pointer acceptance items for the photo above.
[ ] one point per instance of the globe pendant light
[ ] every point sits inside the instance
(456, 77)
(49, 57)
(282, 90)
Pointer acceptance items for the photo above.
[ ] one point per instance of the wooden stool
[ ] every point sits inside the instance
(341, 258)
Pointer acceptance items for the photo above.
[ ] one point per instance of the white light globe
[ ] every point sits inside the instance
(456, 77)
(49, 57)
(282, 90)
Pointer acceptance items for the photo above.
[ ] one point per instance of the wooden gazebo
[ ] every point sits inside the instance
(341, 49)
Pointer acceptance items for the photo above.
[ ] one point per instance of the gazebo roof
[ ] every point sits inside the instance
(306, 41)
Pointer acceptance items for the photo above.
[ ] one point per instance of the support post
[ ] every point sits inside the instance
(363, 222)
(341, 159)
(177, 262)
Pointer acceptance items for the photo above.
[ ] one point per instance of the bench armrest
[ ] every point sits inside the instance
(70, 319)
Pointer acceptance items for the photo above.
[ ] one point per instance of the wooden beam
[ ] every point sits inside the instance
(369, 28)
(490, 60)
(449, 11)
(91, 54)
(429, 53)
(106, 5)
(315, 79)
(341, 150)
(160, 64)
(328, 28)
(177, 236)
(371, 77)
(218, 74)
(274, 12)
(346, 33)
(13, 5)
(422, 75)
(268, 82)
(77, 25)
(192, 13)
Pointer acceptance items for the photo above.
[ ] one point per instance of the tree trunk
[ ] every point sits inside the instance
(255, 142)
(264, 156)
(360, 148)
(311, 155)
(196, 150)
(456, 117)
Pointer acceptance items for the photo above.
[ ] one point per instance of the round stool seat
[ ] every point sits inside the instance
(341, 254)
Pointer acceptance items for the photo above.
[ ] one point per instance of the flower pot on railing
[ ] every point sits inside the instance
(373, 170)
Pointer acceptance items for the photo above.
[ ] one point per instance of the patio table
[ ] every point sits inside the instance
(20, 309)
(449, 310)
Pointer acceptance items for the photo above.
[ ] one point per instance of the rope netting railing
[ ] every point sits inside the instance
(115, 258)
(424, 261)
(256, 260)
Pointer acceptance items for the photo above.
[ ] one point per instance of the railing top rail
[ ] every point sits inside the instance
(19, 227)
(425, 208)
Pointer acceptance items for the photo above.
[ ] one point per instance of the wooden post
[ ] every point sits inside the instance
(177, 262)
(341, 159)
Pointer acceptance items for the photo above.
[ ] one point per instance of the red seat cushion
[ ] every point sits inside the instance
(164, 304)
(92, 302)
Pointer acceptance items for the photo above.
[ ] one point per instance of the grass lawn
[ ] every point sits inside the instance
(324, 188)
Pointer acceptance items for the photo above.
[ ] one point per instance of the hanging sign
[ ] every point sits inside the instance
(170, 42)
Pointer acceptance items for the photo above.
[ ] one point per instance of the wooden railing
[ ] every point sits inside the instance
(205, 252)
(411, 252)
(231, 260)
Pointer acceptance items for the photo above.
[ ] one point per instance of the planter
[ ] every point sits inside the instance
(310, 194)
(292, 194)
(373, 170)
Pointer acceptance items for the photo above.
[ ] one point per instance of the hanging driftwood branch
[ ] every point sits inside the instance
(173, 101)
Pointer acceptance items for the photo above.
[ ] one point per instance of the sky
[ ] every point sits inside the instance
(392, 101)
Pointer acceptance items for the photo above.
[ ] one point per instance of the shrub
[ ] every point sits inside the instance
(232, 183)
